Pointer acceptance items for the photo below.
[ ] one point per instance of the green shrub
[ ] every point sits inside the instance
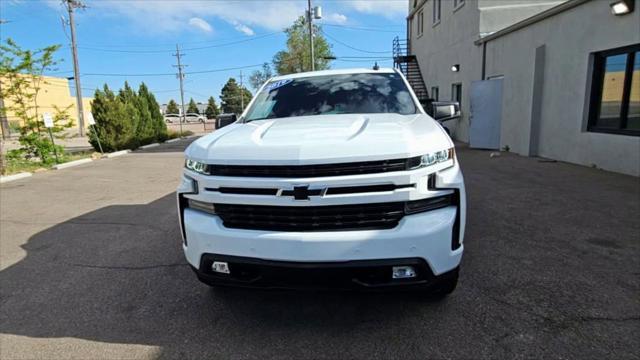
(127, 120)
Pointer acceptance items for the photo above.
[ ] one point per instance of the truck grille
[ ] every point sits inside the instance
(294, 171)
(326, 218)
(311, 218)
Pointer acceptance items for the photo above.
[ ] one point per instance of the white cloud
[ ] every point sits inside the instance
(200, 24)
(336, 18)
(243, 28)
(165, 16)
(388, 8)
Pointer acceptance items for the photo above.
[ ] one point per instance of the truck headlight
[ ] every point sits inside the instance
(199, 167)
(438, 157)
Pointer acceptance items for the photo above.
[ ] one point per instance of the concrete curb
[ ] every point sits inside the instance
(117, 153)
(72, 164)
(149, 146)
(18, 176)
(172, 140)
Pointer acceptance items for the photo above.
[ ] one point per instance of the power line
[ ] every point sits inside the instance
(364, 28)
(172, 74)
(365, 57)
(353, 47)
(186, 49)
(166, 45)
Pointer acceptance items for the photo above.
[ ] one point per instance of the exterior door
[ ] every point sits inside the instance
(486, 114)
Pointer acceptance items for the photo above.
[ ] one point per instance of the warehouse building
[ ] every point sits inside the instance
(554, 79)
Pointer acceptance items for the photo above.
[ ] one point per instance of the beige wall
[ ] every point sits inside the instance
(54, 92)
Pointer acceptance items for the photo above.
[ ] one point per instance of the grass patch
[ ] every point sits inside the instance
(18, 165)
(172, 134)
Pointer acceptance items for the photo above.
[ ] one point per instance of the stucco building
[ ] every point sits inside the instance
(54, 92)
(555, 79)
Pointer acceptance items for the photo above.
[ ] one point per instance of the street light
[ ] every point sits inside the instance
(455, 68)
(622, 7)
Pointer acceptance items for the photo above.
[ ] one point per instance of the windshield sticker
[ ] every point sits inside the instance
(276, 84)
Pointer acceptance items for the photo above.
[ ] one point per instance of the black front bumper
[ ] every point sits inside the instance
(347, 275)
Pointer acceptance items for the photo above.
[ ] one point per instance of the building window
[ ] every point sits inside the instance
(435, 93)
(436, 11)
(615, 92)
(456, 93)
(420, 22)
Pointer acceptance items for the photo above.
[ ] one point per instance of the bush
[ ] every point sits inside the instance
(127, 120)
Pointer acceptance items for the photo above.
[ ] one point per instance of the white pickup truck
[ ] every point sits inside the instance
(329, 179)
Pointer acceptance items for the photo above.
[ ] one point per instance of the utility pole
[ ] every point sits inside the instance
(241, 94)
(181, 77)
(310, 23)
(71, 5)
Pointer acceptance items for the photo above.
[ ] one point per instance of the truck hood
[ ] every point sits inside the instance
(321, 139)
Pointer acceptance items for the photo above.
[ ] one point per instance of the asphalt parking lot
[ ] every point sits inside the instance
(91, 267)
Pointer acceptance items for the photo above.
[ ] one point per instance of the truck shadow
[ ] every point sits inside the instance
(118, 275)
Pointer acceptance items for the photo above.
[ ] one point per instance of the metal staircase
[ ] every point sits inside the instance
(408, 65)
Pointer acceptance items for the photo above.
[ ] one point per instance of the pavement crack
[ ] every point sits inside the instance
(149, 267)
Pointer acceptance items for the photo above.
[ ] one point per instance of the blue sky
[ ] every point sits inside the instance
(128, 37)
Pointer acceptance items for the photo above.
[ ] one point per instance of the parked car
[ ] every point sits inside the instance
(329, 179)
(194, 117)
(172, 118)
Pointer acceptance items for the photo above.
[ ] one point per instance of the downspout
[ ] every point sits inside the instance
(484, 60)
(408, 36)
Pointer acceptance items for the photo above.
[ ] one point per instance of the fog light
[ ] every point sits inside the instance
(621, 7)
(403, 272)
(220, 267)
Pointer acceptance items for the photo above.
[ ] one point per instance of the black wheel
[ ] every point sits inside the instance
(445, 286)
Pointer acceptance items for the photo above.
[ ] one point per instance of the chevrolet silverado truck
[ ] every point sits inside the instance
(329, 179)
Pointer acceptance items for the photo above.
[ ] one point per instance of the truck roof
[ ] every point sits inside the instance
(333, 72)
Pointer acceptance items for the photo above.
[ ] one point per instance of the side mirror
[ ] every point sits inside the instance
(445, 110)
(225, 119)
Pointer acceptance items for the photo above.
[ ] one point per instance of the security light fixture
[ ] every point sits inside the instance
(622, 7)
(455, 68)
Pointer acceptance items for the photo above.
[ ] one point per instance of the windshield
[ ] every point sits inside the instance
(367, 93)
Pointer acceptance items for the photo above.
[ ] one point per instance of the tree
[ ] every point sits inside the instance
(127, 120)
(296, 58)
(259, 77)
(212, 108)
(233, 97)
(21, 72)
(157, 120)
(172, 107)
(192, 108)
(113, 123)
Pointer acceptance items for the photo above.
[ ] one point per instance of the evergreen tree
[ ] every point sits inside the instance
(212, 108)
(126, 120)
(113, 124)
(233, 97)
(296, 58)
(172, 107)
(192, 108)
(157, 120)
